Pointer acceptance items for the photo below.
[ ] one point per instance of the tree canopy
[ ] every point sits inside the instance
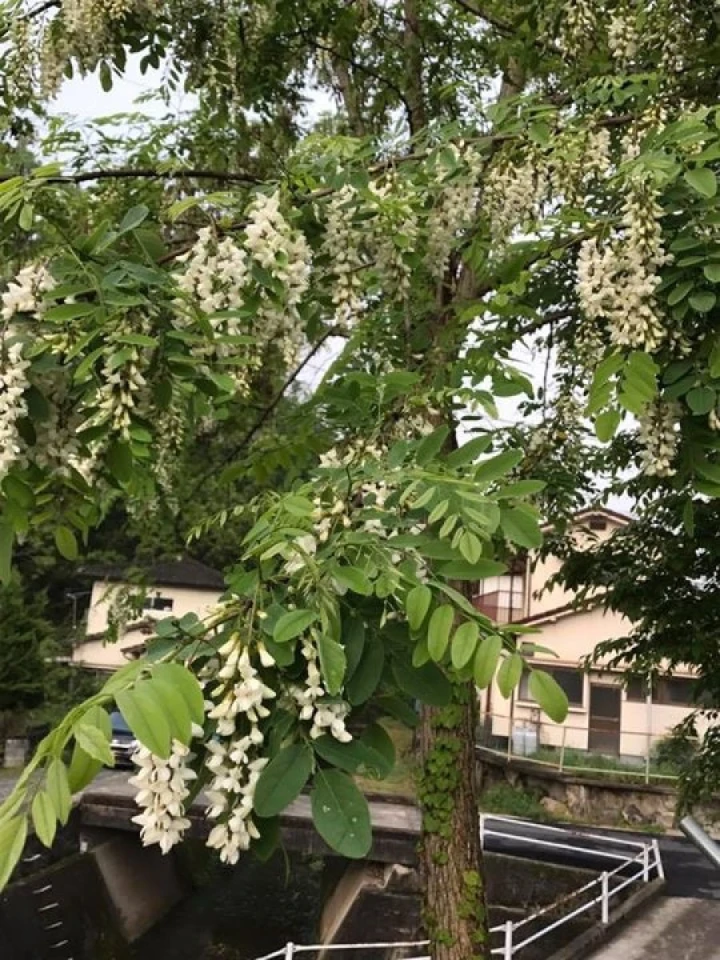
(489, 174)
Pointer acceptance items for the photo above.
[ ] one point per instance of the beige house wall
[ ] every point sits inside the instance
(96, 653)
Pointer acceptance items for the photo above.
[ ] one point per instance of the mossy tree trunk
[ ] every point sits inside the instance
(454, 909)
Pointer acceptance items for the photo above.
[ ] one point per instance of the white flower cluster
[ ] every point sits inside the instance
(24, 293)
(323, 717)
(235, 760)
(658, 436)
(57, 448)
(623, 37)
(454, 208)
(343, 246)
(218, 277)
(578, 26)
(120, 392)
(618, 281)
(13, 407)
(394, 236)
(514, 191)
(578, 157)
(324, 517)
(162, 791)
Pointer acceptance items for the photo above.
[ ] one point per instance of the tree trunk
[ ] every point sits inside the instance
(454, 909)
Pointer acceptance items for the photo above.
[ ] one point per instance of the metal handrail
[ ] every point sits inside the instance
(648, 859)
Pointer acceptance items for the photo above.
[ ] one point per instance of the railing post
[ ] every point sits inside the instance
(647, 758)
(482, 831)
(658, 859)
(604, 901)
(289, 950)
(646, 863)
(508, 946)
(562, 749)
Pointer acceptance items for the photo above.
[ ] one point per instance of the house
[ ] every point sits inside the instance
(607, 714)
(134, 600)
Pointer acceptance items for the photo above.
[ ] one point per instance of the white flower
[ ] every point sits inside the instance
(162, 790)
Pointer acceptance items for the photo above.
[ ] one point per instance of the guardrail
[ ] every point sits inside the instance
(637, 861)
(629, 870)
(555, 746)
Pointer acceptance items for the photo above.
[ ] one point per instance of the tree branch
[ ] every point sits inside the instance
(143, 173)
(484, 15)
(417, 116)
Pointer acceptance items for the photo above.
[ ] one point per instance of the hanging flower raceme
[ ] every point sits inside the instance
(13, 406)
(454, 208)
(513, 192)
(235, 756)
(324, 716)
(617, 282)
(659, 438)
(162, 791)
(343, 246)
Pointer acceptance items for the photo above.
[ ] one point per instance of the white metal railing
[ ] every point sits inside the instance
(557, 746)
(608, 885)
(640, 858)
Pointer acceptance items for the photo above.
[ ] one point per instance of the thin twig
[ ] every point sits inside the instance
(148, 173)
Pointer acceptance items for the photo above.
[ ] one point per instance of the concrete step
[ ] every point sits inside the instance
(676, 929)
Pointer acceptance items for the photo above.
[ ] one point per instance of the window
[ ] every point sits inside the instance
(158, 603)
(637, 690)
(677, 691)
(597, 523)
(571, 681)
(501, 598)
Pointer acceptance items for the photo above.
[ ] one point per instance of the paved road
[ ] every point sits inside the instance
(688, 872)
(669, 929)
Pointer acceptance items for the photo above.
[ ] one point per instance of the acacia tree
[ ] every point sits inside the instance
(494, 170)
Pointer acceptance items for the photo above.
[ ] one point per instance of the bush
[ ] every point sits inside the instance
(512, 802)
(675, 753)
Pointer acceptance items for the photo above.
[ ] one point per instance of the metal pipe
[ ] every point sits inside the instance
(693, 831)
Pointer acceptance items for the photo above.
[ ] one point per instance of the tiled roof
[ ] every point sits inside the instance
(171, 573)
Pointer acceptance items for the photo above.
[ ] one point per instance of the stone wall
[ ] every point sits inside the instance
(606, 801)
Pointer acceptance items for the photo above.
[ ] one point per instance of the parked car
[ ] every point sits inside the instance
(123, 742)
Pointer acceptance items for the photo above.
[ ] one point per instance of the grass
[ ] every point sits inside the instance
(401, 781)
(597, 764)
(509, 801)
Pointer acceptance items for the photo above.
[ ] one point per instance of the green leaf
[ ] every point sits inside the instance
(292, 624)
(712, 272)
(701, 400)
(703, 301)
(58, 789)
(366, 677)
(469, 452)
(7, 538)
(120, 461)
(702, 180)
(332, 663)
(688, 518)
(84, 768)
(427, 684)
(496, 467)
(508, 676)
(679, 292)
(341, 814)
(548, 694)
(12, 842)
(354, 579)
(267, 843)
(462, 570)
(607, 368)
(417, 604)
(711, 471)
(66, 543)
(486, 660)
(430, 446)
(379, 750)
(438, 511)
(464, 644)
(143, 713)
(70, 311)
(346, 756)
(282, 779)
(521, 528)
(522, 488)
(439, 628)
(25, 220)
(470, 547)
(43, 818)
(606, 425)
(353, 638)
(186, 684)
(19, 492)
(133, 218)
(94, 742)
(174, 708)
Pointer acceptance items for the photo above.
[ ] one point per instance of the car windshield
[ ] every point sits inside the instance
(118, 723)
